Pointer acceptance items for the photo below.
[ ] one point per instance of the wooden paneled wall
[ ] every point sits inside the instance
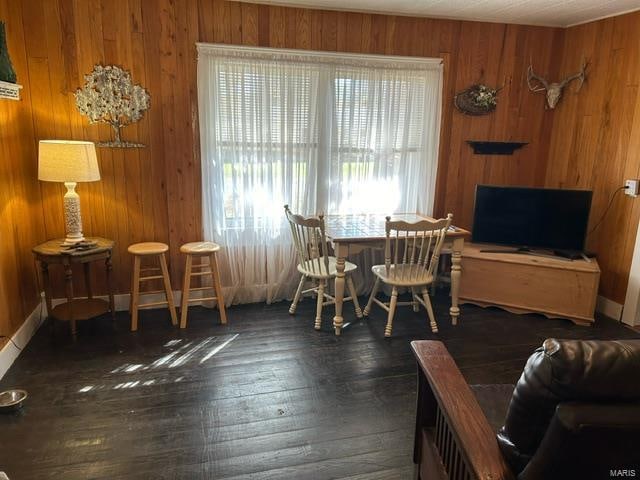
(21, 224)
(154, 192)
(596, 138)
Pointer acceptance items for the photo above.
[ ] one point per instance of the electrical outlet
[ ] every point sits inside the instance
(632, 187)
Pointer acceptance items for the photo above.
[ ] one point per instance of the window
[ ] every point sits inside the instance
(378, 159)
(320, 132)
(266, 140)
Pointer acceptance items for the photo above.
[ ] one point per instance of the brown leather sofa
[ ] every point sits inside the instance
(574, 414)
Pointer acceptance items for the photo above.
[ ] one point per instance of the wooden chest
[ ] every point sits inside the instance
(518, 283)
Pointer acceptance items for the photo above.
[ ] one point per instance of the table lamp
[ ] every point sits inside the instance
(70, 162)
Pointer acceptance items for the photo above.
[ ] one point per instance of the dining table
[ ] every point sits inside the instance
(352, 233)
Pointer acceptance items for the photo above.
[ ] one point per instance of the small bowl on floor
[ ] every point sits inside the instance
(11, 400)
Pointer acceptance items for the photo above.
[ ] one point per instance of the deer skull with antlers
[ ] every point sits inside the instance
(554, 90)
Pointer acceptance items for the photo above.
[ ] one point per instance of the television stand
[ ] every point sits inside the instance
(506, 250)
(547, 285)
(529, 251)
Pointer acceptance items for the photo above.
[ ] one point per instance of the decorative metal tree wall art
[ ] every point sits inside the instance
(478, 99)
(109, 96)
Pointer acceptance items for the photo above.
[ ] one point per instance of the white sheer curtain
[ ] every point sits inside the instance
(384, 138)
(321, 132)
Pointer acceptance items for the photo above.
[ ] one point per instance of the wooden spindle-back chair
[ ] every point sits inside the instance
(411, 255)
(315, 264)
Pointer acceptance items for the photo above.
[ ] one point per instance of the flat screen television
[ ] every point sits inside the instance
(528, 218)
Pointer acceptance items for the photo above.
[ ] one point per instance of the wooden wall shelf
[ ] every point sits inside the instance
(495, 148)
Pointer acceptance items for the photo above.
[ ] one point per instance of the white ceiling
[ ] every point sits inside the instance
(557, 13)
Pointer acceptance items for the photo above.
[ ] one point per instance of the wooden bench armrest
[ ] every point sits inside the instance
(445, 401)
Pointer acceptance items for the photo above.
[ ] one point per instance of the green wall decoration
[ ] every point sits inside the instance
(7, 73)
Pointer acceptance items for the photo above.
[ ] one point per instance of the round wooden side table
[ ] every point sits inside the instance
(54, 252)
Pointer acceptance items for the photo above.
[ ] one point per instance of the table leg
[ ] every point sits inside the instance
(68, 281)
(456, 272)
(112, 306)
(46, 286)
(87, 279)
(341, 254)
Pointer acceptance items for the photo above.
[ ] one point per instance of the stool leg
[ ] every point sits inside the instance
(167, 289)
(135, 293)
(132, 283)
(184, 304)
(218, 287)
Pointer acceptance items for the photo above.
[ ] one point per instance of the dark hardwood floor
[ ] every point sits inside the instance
(266, 397)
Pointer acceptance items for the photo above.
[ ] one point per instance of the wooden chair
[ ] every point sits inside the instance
(411, 255)
(315, 264)
(150, 250)
(201, 249)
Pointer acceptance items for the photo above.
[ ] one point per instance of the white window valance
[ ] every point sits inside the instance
(386, 62)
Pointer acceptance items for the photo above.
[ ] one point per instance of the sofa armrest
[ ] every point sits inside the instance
(448, 410)
(575, 415)
(587, 440)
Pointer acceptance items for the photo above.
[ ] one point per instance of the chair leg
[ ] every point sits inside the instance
(167, 289)
(215, 271)
(184, 303)
(135, 293)
(354, 296)
(296, 298)
(427, 302)
(414, 302)
(319, 305)
(392, 311)
(374, 292)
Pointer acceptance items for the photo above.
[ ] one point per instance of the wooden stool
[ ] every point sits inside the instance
(150, 249)
(201, 249)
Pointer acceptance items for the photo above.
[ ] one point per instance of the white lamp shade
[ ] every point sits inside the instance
(67, 161)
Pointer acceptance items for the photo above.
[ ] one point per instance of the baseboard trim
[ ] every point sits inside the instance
(121, 301)
(9, 351)
(21, 338)
(609, 308)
